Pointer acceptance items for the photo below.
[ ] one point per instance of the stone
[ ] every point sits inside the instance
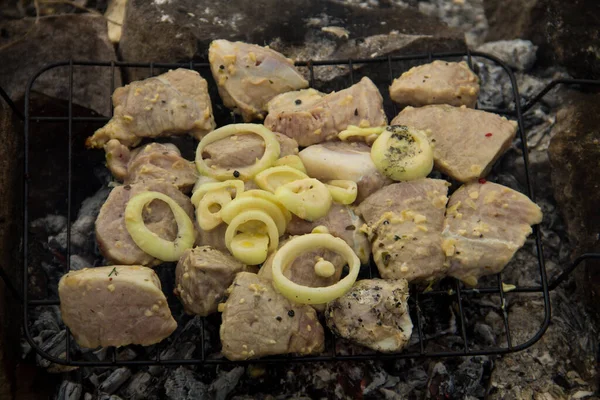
(169, 31)
(517, 54)
(76, 36)
(574, 152)
(467, 16)
(573, 35)
(567, 33)
(512, 19)
(183, 384)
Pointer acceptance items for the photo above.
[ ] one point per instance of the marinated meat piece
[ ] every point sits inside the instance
(342, 222)
(258, 322)
(248, 76)
(203, 274)
(320, 121)
(485, 226)
(404, 223)
(213, 238)
(292, 100)
(173, 103)
(374, 313)
(341, 160)
(241, 150)
(154, 161)
(466, 143)
(115, 306)
(439, 82)
(114, 241)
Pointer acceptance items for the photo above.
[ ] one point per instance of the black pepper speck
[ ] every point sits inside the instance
(291, 313)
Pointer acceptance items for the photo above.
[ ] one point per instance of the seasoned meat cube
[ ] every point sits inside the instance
(258, 322)
(114, 241)
(248, 76)
(203, 274)
(404, 223)
(466, 143)
(154, 161)
(292, 100)
(319, 121)
(115, 306)
(341, 160)
(242, 150)
(342, 222)
(439, 82)
(485, 226)
(173, 103)
(374, 313)
(214, 238)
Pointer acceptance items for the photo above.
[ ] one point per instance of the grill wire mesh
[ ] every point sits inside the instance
(452, 293)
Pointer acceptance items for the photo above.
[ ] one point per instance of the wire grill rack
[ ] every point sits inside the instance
(457, 295)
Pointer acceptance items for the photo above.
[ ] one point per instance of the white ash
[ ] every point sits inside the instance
(50, 223)
(518, 54)
(183, 384)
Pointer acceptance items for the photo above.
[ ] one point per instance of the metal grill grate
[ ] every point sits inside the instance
(457, 294)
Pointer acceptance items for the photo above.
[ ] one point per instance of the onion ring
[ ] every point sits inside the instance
(271, 154)
(252, 215)
(286, 255)
(149, 241)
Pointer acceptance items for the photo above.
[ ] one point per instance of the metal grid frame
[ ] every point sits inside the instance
(458, 293)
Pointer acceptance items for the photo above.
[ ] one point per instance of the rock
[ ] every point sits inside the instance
(183, 384)
(566, 32)
(467, 16)
(512, 19)
(573, 34)
(226, 383)
(48, 158)
(10, 231)
(58, 38)
(169, 31)
(115, 380)
(574, 153)
(517, 54)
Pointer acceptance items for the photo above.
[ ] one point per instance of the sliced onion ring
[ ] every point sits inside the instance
(343, 191)
(149, 241)
(271, 154)
(291, 161)
(252, 215)
(286, 255)
(235, 184)
(307, 198)
(272, 178)
(241, 204)
(207, 219)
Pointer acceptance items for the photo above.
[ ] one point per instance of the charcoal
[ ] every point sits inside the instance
(55, 346)
(226, 383)
(140, 387)
(115, 380)
(183, 384)
(69, 391)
